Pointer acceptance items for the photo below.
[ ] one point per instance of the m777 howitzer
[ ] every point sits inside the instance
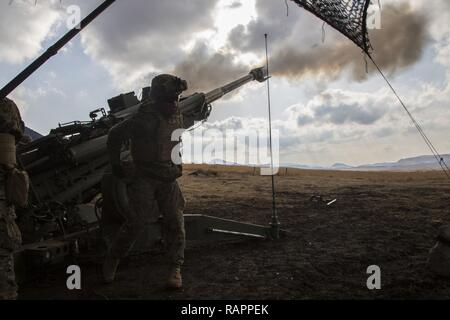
(73, 194)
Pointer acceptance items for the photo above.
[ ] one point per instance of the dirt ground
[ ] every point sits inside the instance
(380, 218)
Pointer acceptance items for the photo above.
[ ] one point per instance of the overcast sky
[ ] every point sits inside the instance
(327, 108)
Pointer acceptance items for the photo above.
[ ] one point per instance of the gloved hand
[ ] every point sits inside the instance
(203, 113)
(118, 171)
(206, 112)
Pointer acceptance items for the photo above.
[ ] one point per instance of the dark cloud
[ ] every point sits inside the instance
(272, 19)
(349, 113)
(235, 5)
(136, 37)
(303, 120)
(233, 123)
(341, 108)
(384, 132)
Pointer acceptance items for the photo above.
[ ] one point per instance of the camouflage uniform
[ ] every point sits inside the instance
(154, 189)
(10, 237)
(148, 199)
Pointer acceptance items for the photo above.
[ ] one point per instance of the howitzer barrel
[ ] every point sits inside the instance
(89, 150)
(195, 102)
(259, 74)
(53, 50)
(192, 103)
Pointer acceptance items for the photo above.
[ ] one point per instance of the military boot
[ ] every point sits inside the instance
(175, 281)
(109, 269)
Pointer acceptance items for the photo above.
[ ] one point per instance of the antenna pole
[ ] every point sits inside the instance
(275, 223)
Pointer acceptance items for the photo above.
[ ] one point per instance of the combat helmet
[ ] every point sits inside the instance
(166, 87)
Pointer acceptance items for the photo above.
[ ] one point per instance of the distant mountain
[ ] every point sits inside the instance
(423, 160)
(223, 162)
(408, 164)
(33, 134)
(340, 166)
(419, 163)
(301, 166)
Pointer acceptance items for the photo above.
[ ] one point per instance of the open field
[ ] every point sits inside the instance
(388, 219)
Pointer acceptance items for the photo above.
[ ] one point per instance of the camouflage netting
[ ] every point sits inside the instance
(347, 16)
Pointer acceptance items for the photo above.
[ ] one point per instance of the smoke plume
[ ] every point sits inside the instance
(204, 71)
(397, 45)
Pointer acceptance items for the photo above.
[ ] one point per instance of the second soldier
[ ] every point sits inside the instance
(154, 189)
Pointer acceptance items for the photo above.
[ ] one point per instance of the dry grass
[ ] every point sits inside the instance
(385, 218)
